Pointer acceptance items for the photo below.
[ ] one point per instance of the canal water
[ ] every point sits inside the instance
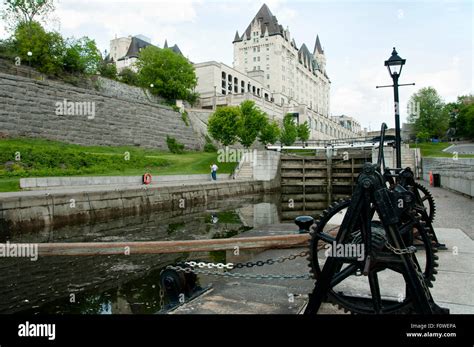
(122, 284)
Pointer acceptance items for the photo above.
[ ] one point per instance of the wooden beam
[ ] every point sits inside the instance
(161, 247)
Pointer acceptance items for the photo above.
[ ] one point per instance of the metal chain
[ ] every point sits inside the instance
(399, 251)
(239, 275)
(248, 264)
(162, 299)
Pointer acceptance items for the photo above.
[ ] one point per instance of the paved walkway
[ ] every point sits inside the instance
(453, 210)
(452, 288)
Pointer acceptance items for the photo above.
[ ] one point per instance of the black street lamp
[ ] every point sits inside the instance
(394, 65)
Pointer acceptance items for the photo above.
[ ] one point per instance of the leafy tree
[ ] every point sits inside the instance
(303, 132)
(47, 48)
(223, 125)
(269, 133)
(432, 118)
(171, 74)
(465, 116)
(108, 70)
(82, 56)
(251, 122)
(26, 11)
(128, 76)
(289, 132)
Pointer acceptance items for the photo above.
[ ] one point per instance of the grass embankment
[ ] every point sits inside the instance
(433, 149)
(23, 157)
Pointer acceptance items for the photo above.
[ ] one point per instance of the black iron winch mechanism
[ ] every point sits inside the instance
(387, 221)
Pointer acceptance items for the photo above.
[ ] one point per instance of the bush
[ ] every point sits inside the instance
(209, 146)
(174, 146)
(108, 70)
(128, 76)
(185, 117)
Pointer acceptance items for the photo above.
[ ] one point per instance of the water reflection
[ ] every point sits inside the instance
(121, 284)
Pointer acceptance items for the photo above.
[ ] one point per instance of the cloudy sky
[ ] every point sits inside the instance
(436, 38)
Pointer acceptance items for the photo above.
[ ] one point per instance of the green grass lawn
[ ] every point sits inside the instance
(44, 158)
(431, 149)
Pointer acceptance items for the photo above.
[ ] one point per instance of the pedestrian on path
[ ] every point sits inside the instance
(214, 169)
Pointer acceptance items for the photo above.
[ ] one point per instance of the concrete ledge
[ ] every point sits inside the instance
(41, 210)
(57, 182)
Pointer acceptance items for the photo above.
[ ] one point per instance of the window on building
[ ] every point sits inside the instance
(224, 92)
(254, 49)
(224, 84)
(254, 59)
(254, 89)
(268, 67)
(236, 89)
(258, 67)
(268, 76)
(258, 58)
(282, 101)
(229, 78)
(223, 75)
(249, 87)
(268, 57)
(258, 49)
(245, 60)
(236, 81)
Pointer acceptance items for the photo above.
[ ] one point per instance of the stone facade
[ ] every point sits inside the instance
(294, 75)
(28, 108)
(280, 78)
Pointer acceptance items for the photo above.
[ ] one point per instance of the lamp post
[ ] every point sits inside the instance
(29, 54)
(394, 65)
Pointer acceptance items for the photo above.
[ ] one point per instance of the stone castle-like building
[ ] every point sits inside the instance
(279, 76)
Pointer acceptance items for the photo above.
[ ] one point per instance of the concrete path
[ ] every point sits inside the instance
(453, 210)
(452, 288)
(105, 188)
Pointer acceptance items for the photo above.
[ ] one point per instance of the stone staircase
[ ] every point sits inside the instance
(244, 170)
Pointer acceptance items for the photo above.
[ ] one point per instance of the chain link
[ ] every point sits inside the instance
(200, 268)
(239, 275)
(248, 264)
(400, 251)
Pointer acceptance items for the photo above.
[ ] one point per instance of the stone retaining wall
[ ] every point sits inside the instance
(28, 108)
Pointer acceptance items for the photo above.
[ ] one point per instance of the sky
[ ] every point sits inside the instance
(435, 37)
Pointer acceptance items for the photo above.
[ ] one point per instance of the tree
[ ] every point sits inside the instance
(289, 132)
(26, 11)
(47, 48)
(431, 118)
(269, 133)
(129, 76)
(82, 56)
(465, 116)
(250, 123)
(171, 74)
(223, 125)
(303, 132)
(108, 70)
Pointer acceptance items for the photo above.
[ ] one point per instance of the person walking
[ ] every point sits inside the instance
(214, 169)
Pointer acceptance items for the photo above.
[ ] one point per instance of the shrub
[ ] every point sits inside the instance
(174, 146)
(108, 70)
(129, 77)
